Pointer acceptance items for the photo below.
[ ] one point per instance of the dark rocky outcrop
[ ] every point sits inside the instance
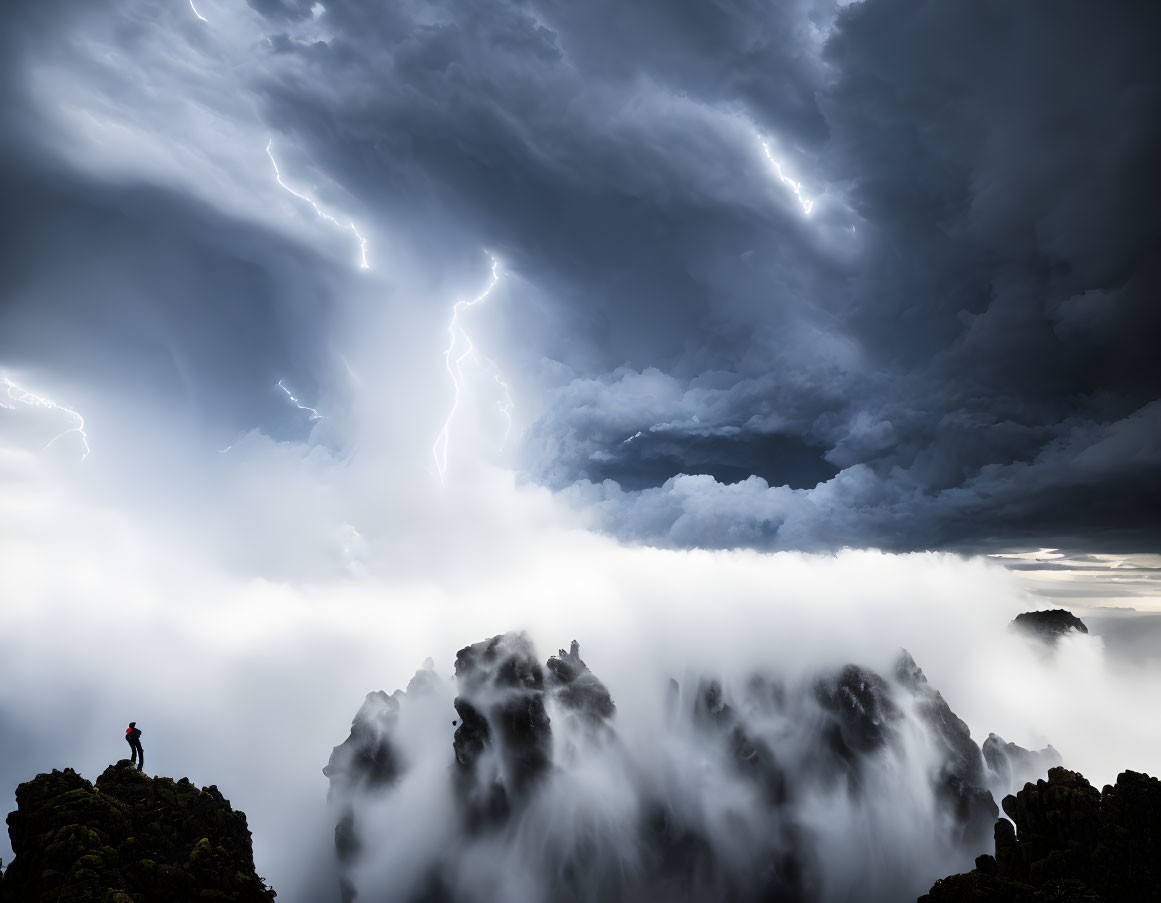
(520, 725)
(960, 781)
(368, 760)
(504, 739)
(1071, 843)
(577, 687)
(864, 712)
(128, 839)
(1048, 626)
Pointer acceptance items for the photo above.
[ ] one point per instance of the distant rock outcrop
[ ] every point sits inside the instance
(129, 839)
(1071, 844)
(1049, 626)
(1015, 766)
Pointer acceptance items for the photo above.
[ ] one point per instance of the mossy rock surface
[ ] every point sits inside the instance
(129, 838)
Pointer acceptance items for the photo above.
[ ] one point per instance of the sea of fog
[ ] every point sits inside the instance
(248, 682)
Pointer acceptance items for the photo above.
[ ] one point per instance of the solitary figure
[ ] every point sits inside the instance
(133, 738)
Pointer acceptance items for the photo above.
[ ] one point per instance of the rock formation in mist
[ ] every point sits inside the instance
(735, 791)
(131, 838)
(1071, 843)
(1049, 626)
(1015, 766)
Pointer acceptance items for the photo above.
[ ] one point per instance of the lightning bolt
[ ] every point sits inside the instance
(314, 414)
(796, 187)
(505, 404)
(322, 214)
(22, 396)
(196, 13)
(453, 361)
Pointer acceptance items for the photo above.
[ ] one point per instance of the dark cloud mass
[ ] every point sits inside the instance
(956, 347)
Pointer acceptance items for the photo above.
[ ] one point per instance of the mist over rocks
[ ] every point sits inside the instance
(1015, 766)
(503, 741)
(961, 781)
(519, 780)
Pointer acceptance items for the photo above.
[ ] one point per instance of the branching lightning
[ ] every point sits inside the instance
(453, 361)
(21, 395)
(196, 13)
(317, 209)
(796, 187)
(314, 414)
(505, 404)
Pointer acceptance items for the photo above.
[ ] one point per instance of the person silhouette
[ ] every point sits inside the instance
(133, 738)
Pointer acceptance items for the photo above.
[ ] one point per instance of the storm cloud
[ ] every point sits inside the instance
(872, 275)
